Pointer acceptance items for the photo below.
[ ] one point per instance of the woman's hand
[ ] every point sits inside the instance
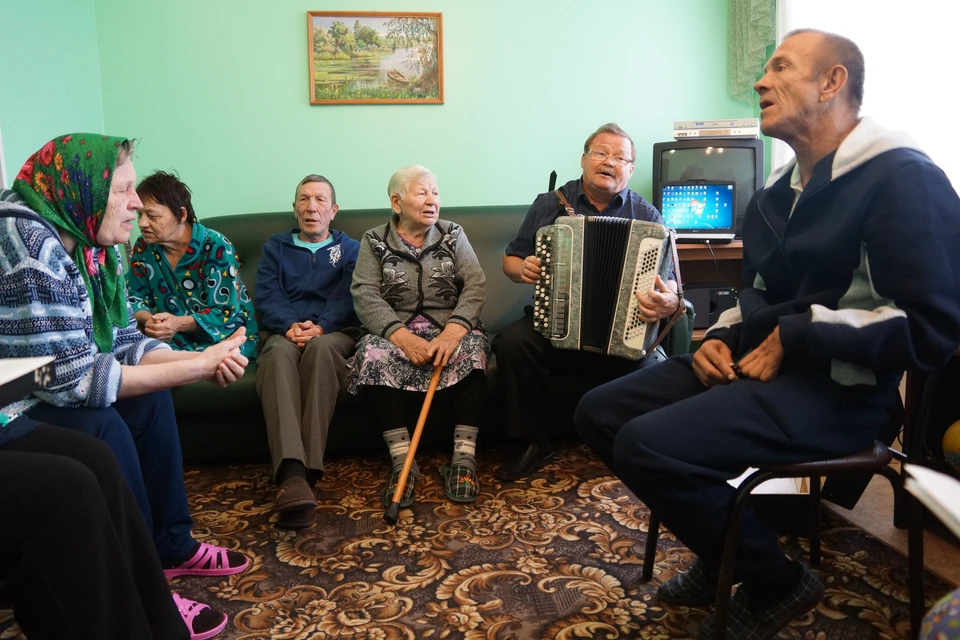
(443, 346)
(222, 363)
(162, 326)
(415, 348)
(142, 317)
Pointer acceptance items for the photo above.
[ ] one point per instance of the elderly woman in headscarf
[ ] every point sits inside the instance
(64, 296)
(419, 289)
(184, 279)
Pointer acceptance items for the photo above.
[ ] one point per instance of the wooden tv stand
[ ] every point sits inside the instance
(697, 266)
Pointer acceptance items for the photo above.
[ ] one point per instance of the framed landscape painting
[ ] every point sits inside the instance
(375, 57)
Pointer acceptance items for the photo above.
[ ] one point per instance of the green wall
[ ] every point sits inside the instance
(218, 90)
(49, 74)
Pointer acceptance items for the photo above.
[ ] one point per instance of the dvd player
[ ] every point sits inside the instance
(736, 123)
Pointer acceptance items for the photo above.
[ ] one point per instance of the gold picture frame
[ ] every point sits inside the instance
(375, 57)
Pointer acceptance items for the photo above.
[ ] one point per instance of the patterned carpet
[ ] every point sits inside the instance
(555, 557)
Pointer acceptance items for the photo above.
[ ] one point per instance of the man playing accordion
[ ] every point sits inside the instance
(525, 357)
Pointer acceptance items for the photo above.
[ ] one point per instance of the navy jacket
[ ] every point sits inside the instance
(864, 274)
(295, 284)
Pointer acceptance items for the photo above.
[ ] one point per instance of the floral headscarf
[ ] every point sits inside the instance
(67, 183)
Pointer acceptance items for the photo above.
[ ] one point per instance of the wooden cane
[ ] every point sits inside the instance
(393, 511)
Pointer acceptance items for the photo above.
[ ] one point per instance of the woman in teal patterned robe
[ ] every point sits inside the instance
(184, 280)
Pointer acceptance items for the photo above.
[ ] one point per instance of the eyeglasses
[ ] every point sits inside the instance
(601, 156)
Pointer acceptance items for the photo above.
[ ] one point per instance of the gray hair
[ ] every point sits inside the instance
(845, 52)
(314, 177)
(612, 127)
(403, 178)
(126, 152)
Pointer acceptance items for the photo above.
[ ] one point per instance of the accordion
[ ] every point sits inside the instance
(591, 267)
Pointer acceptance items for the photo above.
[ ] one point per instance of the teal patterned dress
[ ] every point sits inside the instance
(205, 284)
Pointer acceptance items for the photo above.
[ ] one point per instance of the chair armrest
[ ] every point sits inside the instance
(678, 340)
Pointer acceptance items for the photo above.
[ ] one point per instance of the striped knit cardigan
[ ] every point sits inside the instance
(45, 311)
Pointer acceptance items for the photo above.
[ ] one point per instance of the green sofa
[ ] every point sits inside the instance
(228, 423)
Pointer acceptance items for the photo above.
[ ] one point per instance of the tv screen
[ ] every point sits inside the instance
(739, 161)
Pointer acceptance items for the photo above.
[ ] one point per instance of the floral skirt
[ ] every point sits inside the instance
(380, 363)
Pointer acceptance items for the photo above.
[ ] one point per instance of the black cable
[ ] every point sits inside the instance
(716, 264)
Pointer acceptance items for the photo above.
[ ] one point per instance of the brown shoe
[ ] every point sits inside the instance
(295, 493)
(301, 518)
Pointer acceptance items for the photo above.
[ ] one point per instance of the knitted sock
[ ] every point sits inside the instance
(398, 442)
(465, 446)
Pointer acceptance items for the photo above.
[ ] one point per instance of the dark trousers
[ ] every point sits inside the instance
(391, 406)
(675, 444)
(78, 557)
(142, 432)
(525, 359)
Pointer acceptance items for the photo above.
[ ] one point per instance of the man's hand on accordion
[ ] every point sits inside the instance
(530, 270)
(659, 302)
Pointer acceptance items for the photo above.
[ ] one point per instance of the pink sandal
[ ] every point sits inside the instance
(208, 561)
(189, 610)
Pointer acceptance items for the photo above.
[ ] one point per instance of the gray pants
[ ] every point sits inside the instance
(298, 391)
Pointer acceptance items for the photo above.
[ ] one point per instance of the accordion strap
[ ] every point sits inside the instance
(565, 204)
(681, 308)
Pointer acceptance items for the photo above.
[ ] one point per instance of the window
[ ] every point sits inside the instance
(910, 54)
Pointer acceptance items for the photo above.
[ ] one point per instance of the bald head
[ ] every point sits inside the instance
(835, 50)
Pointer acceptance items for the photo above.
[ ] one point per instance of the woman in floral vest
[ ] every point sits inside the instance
(419, 289)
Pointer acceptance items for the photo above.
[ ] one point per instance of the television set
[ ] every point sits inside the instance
(705, 160)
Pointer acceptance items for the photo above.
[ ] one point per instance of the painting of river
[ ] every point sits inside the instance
(375, 58)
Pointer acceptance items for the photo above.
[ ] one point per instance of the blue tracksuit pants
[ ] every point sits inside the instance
(675, 443)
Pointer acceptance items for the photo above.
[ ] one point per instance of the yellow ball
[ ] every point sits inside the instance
(951, 445)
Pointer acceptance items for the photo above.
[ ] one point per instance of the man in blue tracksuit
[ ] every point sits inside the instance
(303, 301)
(851, 275)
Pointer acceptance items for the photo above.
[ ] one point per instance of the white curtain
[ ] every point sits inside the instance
(912, 55)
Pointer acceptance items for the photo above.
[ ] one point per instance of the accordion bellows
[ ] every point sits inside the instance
(591, 267)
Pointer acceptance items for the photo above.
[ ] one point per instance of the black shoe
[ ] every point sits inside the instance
(534, 456)
(694, 588)
(744, 622)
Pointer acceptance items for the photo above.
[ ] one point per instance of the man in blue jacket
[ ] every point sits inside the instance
(850, 272)
(304, 303)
